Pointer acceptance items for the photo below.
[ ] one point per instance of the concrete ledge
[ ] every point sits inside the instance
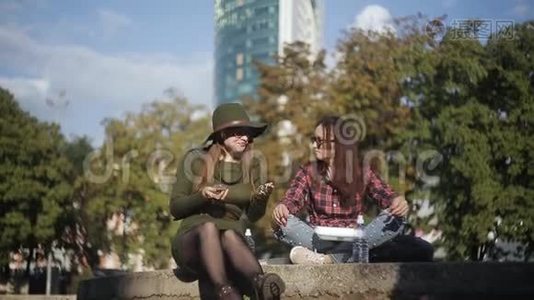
(37, 297)
(347, 281)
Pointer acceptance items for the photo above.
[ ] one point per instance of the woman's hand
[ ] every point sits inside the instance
(399, 207)
(263, 192)
(280, 214)
(217, 192)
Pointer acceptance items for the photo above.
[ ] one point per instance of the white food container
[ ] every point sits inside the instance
(336, 233)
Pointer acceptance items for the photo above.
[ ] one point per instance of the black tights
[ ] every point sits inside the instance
(217, 255)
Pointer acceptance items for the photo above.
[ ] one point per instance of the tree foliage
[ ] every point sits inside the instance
(467, 102)
(125, 208)
(470, 103)
(291, 95)
(35, 180)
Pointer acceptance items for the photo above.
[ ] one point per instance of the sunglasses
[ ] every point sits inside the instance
(319, 142)
(237, 132)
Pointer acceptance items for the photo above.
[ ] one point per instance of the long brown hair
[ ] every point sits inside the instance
(213, 153)
(348, 178)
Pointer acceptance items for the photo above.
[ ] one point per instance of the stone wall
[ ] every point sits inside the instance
(347, 281)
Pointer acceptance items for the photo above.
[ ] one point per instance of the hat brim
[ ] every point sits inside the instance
(257, 129)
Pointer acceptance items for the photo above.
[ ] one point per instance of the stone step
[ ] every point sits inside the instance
(37, 297)
(345, 281)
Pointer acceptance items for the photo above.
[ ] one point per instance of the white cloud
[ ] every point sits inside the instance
(95, 84)
(112, 22)
(26, 88)
(374, 18)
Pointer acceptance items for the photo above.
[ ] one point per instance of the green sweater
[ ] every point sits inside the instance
(193, 209)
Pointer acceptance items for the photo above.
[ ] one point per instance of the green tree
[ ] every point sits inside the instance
(291, 95)
(452, 108)
(35, 183)
(510, 94)
(129, 179)
(475, 108)
(367, 83)
(74, 234)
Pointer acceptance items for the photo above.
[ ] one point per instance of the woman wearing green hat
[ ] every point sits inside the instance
(215, 187)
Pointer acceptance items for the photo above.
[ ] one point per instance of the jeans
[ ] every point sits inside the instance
(299, 233)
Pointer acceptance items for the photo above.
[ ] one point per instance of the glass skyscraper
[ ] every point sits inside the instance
(249, 30)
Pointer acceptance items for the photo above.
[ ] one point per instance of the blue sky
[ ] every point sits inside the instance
(78, 62)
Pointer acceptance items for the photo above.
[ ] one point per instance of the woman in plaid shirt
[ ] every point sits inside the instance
(332, 190)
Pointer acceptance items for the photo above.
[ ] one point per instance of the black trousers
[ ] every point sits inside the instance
(403, 248)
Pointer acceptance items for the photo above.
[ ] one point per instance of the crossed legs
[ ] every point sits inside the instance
(216, 256)
(299, 233)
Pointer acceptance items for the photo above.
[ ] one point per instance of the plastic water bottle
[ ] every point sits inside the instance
(360, 247)
(250, 241)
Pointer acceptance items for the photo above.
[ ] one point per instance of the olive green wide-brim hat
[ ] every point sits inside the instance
(231, 115)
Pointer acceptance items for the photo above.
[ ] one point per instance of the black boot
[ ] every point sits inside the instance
(268, 286)
(184, 274)
(228, 292)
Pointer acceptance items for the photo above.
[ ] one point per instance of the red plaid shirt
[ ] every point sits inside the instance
(322, 200)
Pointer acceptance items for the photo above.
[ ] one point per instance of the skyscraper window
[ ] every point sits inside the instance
(255, 30)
